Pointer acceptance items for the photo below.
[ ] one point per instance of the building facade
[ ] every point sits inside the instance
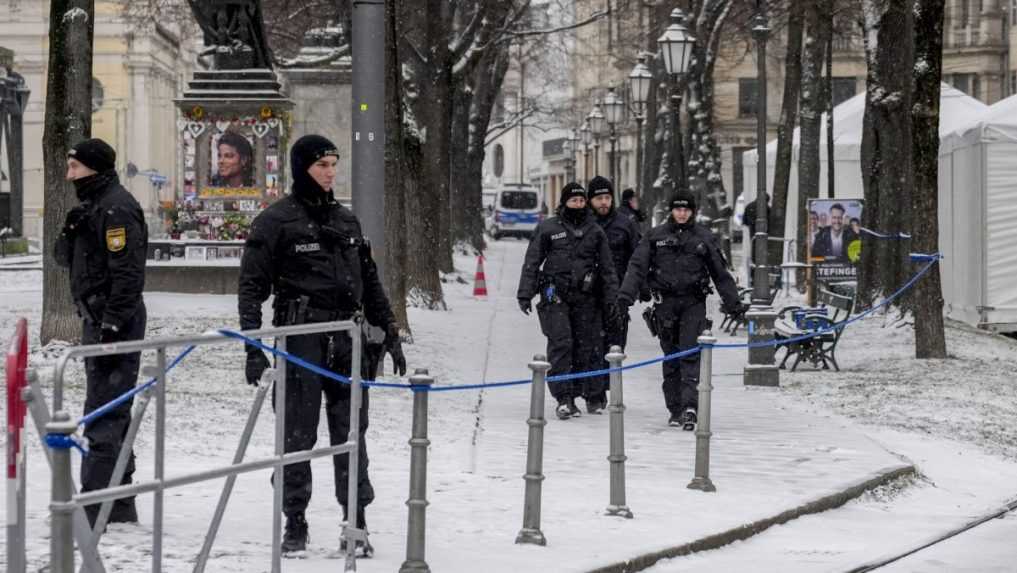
(136, 75)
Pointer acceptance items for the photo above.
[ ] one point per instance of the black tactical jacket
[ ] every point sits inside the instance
(679, 260)
(296, 249)
(563, 254)
(106, 253)
(622, 238)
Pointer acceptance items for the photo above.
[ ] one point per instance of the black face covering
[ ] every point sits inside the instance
(574, 216)
(86, 188)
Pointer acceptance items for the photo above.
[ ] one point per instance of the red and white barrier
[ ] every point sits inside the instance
(16, 374)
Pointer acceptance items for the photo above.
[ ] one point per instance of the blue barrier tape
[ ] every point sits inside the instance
(112, 404)
(65, 442)
(932, 260)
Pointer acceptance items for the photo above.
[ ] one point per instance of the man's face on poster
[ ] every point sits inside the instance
(813, 221)
(230, 162)
(837, 219)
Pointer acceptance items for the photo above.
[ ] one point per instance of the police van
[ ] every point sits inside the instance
(517, 211)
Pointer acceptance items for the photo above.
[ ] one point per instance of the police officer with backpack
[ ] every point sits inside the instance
(569, 265)
(309, 251)
(677, 260)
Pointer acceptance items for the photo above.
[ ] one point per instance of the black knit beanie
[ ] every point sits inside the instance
(571, 190)
(600, 186)
(304, 153)
(683, 199)
(95, 154)
(628, 194)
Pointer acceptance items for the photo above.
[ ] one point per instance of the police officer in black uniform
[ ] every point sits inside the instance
(309, 251)
(630, 206)
(104, 242)
(677, 260)
(568, 263)
(622, 238)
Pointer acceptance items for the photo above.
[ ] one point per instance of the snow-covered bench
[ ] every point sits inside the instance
(794, 321)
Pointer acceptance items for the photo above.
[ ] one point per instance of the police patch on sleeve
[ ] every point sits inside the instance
(116, 239)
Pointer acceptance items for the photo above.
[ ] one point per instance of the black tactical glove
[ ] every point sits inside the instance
(256, 365)
(74, 218)
(623, 303)
(525, 305)
(644, 295)
(108, 333)
(738, 309)
(394, 347)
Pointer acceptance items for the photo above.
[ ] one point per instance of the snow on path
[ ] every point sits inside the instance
(765, 460)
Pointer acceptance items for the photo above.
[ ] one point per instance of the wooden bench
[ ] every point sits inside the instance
(793, 322)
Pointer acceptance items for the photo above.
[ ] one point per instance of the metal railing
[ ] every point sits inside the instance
(66, 506)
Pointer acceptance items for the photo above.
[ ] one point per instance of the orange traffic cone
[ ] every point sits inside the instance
(479, 282)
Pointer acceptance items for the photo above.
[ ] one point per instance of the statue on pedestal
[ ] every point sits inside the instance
(234, 33)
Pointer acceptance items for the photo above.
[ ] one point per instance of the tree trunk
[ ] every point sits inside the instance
(704, 160)
(788, 117)
(465, 210)
(68, 120)
(425, 178)
(490, 75)
(436, 115)
(812, 113)
(927, 300)
(886, 144)
(395, 197)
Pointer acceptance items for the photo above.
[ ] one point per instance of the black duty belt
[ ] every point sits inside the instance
(322, 315)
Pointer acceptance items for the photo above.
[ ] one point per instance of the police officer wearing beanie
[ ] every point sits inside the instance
(104, 243)
(677, 260)
(309, 251)
(568, 264)
(630, 206)
(622, 238)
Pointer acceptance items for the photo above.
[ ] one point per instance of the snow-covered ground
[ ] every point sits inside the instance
(773, 449)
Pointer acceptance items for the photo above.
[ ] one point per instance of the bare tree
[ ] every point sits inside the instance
(817, 31)
(68, 120)
(788, 115)
(395, 181)
(886, 143)
(927, 300)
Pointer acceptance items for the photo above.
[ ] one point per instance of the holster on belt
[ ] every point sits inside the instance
(650, 316)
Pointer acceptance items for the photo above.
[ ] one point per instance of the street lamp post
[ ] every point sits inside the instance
(568, 148)
(613, 110)
(676, 46)
(587, 138)
(596, 119)
(761, 370)
(13, 101)
(639, 92)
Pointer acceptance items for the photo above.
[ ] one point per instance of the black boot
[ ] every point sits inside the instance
(124, 511)
(295, 536)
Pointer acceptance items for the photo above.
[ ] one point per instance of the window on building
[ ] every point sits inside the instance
(843, 89)
(1013, 12)
(962, 18)
(962, 82)
(748, 96)
(1013, 83)
(976, 87)
(98, 95)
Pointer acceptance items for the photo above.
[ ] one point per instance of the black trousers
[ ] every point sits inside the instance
(304, 391)
(575, 343)
(108, 377)
(681, 320)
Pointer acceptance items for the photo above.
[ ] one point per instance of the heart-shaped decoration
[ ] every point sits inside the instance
(260, 129)
(222, 125)
(181, 124)
(273, 122)
(195, 128)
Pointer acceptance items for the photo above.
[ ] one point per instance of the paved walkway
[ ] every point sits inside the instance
(765, 460)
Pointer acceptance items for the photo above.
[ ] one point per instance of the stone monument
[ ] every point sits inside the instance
(233, 130)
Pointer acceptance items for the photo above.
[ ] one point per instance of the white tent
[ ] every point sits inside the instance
(978, 218)
(955, 109)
